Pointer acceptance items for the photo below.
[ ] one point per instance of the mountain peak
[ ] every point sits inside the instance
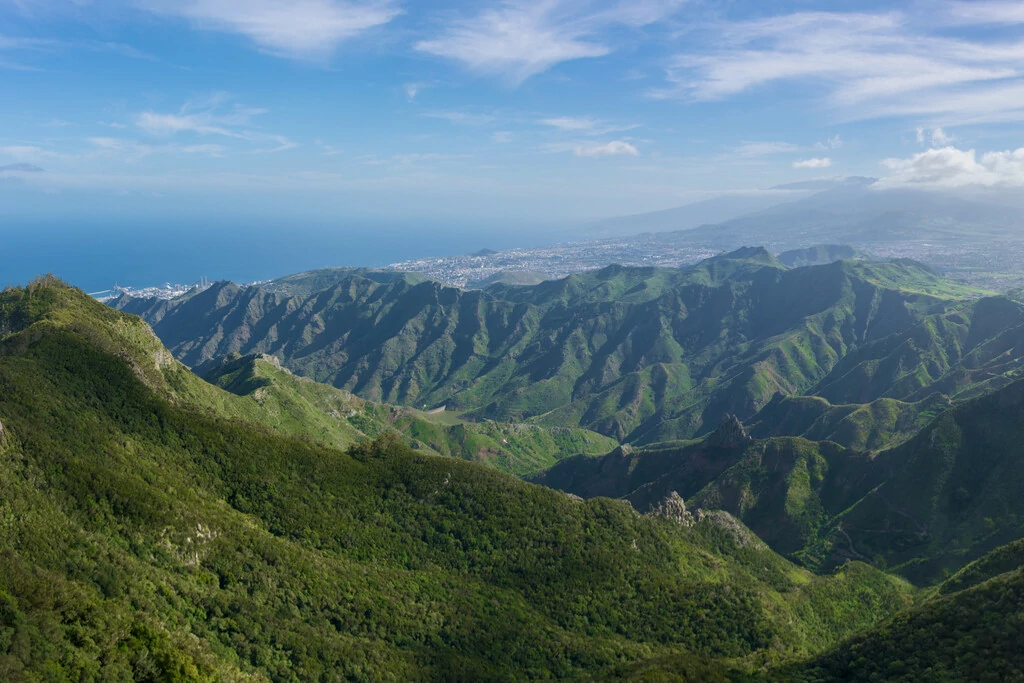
(750, 253)
(729, 434)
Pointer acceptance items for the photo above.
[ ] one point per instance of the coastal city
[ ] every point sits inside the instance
(526, 266)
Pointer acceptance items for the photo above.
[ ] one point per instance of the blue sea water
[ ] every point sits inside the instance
(95, 257)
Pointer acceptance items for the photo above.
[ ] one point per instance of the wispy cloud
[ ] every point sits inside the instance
(413, 89)
(28, 153)
(132, 150)
(461, 118)
(521, 38)
(608, 149)
(750, 150)
(865, 65)
(833, 142)
(303, 29)
(21, 168)
(1006, 12)
(212, 116)
(816, 163)
(328, 150)
(502, 137)
(950, 167)
(585, 124)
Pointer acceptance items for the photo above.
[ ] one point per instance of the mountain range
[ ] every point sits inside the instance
(641, 355)
(808, 469)
(151, 533)
(851, 210)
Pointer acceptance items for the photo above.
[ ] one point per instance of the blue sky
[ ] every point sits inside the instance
(513, 115)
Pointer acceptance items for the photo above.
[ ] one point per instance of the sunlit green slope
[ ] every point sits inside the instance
(146, 536)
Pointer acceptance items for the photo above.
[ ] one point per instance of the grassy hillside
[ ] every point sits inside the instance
(298, 405)
(146, 537)
(638, 354)
(880, 424)
(956, 492)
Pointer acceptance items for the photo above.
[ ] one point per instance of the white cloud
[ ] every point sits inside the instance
(864, 65)
(585, 124)
(413, 89)
(328, 150)
(502, 137)
(940, 139)
(132, 150)
(614, 148)
(28, 153)
(212, 116)
(169, 124)
(521, 38)
(937, 136)
(749, 150)
(985, 12)
(950, 167)
(823, 162)
(833, 142)
(305, 29)
(571, 123)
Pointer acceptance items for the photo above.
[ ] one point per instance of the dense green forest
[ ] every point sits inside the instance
(147, 537)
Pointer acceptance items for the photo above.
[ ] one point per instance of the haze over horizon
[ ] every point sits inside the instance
(389, 130)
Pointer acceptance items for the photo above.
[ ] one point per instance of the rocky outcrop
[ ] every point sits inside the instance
(672, 507)
(729, 434)
(623, 451)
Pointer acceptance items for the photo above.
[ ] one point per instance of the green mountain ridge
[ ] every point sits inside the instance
(641, 355)
(148, 535)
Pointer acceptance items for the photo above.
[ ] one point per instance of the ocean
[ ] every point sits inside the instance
(97, 257)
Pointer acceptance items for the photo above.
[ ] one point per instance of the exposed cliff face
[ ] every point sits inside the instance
(673, 508)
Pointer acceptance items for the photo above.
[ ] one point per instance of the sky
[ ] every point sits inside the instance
(507, 117)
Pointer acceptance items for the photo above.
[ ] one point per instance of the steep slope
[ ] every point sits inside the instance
(924, 508)
(974, 349)
(873, 426)
(957, 491)
(969, 635)
(298, 405)
(146, 538)
(638, 354)
(787, 490)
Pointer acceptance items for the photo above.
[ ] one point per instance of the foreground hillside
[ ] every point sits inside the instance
(638, 354)
(147, 537)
